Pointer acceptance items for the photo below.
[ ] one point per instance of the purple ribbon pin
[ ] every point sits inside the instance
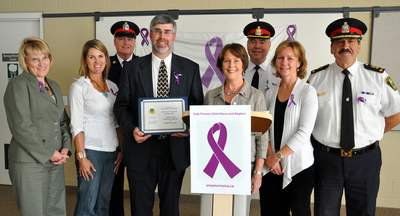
(176, 78)
(41, 86)
(292, 100)
(112, 91)
(218, 155)
(144, 36)
(212, 60)
(291, 30)
(361, 99)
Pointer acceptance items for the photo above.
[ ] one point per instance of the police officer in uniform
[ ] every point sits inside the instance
(358, 103)
(124, 41)
(260, 72)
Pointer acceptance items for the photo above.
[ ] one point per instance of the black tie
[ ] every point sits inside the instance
(347, 124)
(124, 63)
(254, 82)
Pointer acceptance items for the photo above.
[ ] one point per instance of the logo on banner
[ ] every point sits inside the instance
(218, 152)
(144, 33)
(212, 60)
(12, 70)
(291, 31)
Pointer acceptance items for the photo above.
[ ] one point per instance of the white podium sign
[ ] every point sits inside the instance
(220, 143)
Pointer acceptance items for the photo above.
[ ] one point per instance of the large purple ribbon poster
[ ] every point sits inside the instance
(220, 142)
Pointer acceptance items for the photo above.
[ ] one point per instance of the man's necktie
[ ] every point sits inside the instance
(124, 63)
(162, 86)
(256, 76)
(347, 123)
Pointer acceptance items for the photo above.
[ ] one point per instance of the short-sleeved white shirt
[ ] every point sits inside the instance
(373, 100)
(266, 77)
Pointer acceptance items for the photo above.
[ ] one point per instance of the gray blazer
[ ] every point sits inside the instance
(39, 125)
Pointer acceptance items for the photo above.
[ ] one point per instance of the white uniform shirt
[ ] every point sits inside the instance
(121, 61)
(92, 113)
(373, 100)
(266, 77)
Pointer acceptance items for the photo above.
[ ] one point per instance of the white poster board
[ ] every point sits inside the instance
(220, 149)
(15, 27)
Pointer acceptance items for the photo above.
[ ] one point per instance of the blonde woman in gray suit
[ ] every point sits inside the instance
(41, 138)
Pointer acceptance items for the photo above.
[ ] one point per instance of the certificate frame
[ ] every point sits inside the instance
(162, 115)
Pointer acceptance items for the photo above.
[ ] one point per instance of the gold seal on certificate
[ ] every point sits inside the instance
(162, 115)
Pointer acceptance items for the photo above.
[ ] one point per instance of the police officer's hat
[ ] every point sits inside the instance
(346, 28)
(124, 28)
(259, 30)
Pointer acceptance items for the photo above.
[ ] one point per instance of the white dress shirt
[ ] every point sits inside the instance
(373, 100)
(156, 63)
(266, 77)
(92, 113)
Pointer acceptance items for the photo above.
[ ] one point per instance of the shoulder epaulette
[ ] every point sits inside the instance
(374, 68)
(320, 69)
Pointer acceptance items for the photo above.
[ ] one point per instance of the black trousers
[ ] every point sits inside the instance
(117, 193)
(295, 197)
(160, 171)
(357, 175)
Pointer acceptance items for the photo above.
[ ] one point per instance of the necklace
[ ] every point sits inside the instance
(228, 93)
(103, 89)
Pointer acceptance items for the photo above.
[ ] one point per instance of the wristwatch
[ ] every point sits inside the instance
(279, 155)
(258, 172)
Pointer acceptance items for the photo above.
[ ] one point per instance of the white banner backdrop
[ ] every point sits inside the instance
(220, 150)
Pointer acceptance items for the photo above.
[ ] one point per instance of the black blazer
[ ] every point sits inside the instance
(116, 69)
(136, 82)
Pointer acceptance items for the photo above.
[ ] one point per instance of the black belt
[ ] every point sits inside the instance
(341, 152)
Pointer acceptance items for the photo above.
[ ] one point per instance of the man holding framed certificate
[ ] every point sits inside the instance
(153, 160)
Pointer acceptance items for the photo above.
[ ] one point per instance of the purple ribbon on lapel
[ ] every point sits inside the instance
(112, 91)
(218, 155)
(361, 99)
(212, 60)
(291, 30)
(144, 36)
(41, 86)
(176, 78)
(292, 100)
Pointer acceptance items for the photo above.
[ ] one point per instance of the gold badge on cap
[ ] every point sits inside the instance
(390, 83)
(258, 31)
(125, 26)
(345, 28)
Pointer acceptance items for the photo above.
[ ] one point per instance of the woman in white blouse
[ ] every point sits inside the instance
(293, 103)
(95, 131)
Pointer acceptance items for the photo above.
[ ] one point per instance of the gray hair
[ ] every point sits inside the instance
(162, 19)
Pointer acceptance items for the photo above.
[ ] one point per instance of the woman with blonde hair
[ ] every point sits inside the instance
(41, 141)
(95, 131)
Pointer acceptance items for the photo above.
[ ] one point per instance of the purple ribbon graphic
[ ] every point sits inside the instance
(176, 78)
(291, 30)
(219, 156)
(144, 36)
(292, 100)
(361, 99)
(41, 86)
(212, 60)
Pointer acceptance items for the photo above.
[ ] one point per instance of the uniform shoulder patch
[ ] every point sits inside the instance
(320, 69)
(374, 68)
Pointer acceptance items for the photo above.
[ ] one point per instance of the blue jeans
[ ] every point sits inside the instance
(93, 196)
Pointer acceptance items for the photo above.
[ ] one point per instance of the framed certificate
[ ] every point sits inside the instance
(162, 115)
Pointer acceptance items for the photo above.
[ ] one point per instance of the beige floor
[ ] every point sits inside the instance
(189, 204)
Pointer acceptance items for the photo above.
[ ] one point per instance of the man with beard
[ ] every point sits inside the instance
(260, 72)
(358, 103)
(125, 33)
(159, 159)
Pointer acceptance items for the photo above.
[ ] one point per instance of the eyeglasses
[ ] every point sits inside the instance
(37, 60)
(159, 32)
